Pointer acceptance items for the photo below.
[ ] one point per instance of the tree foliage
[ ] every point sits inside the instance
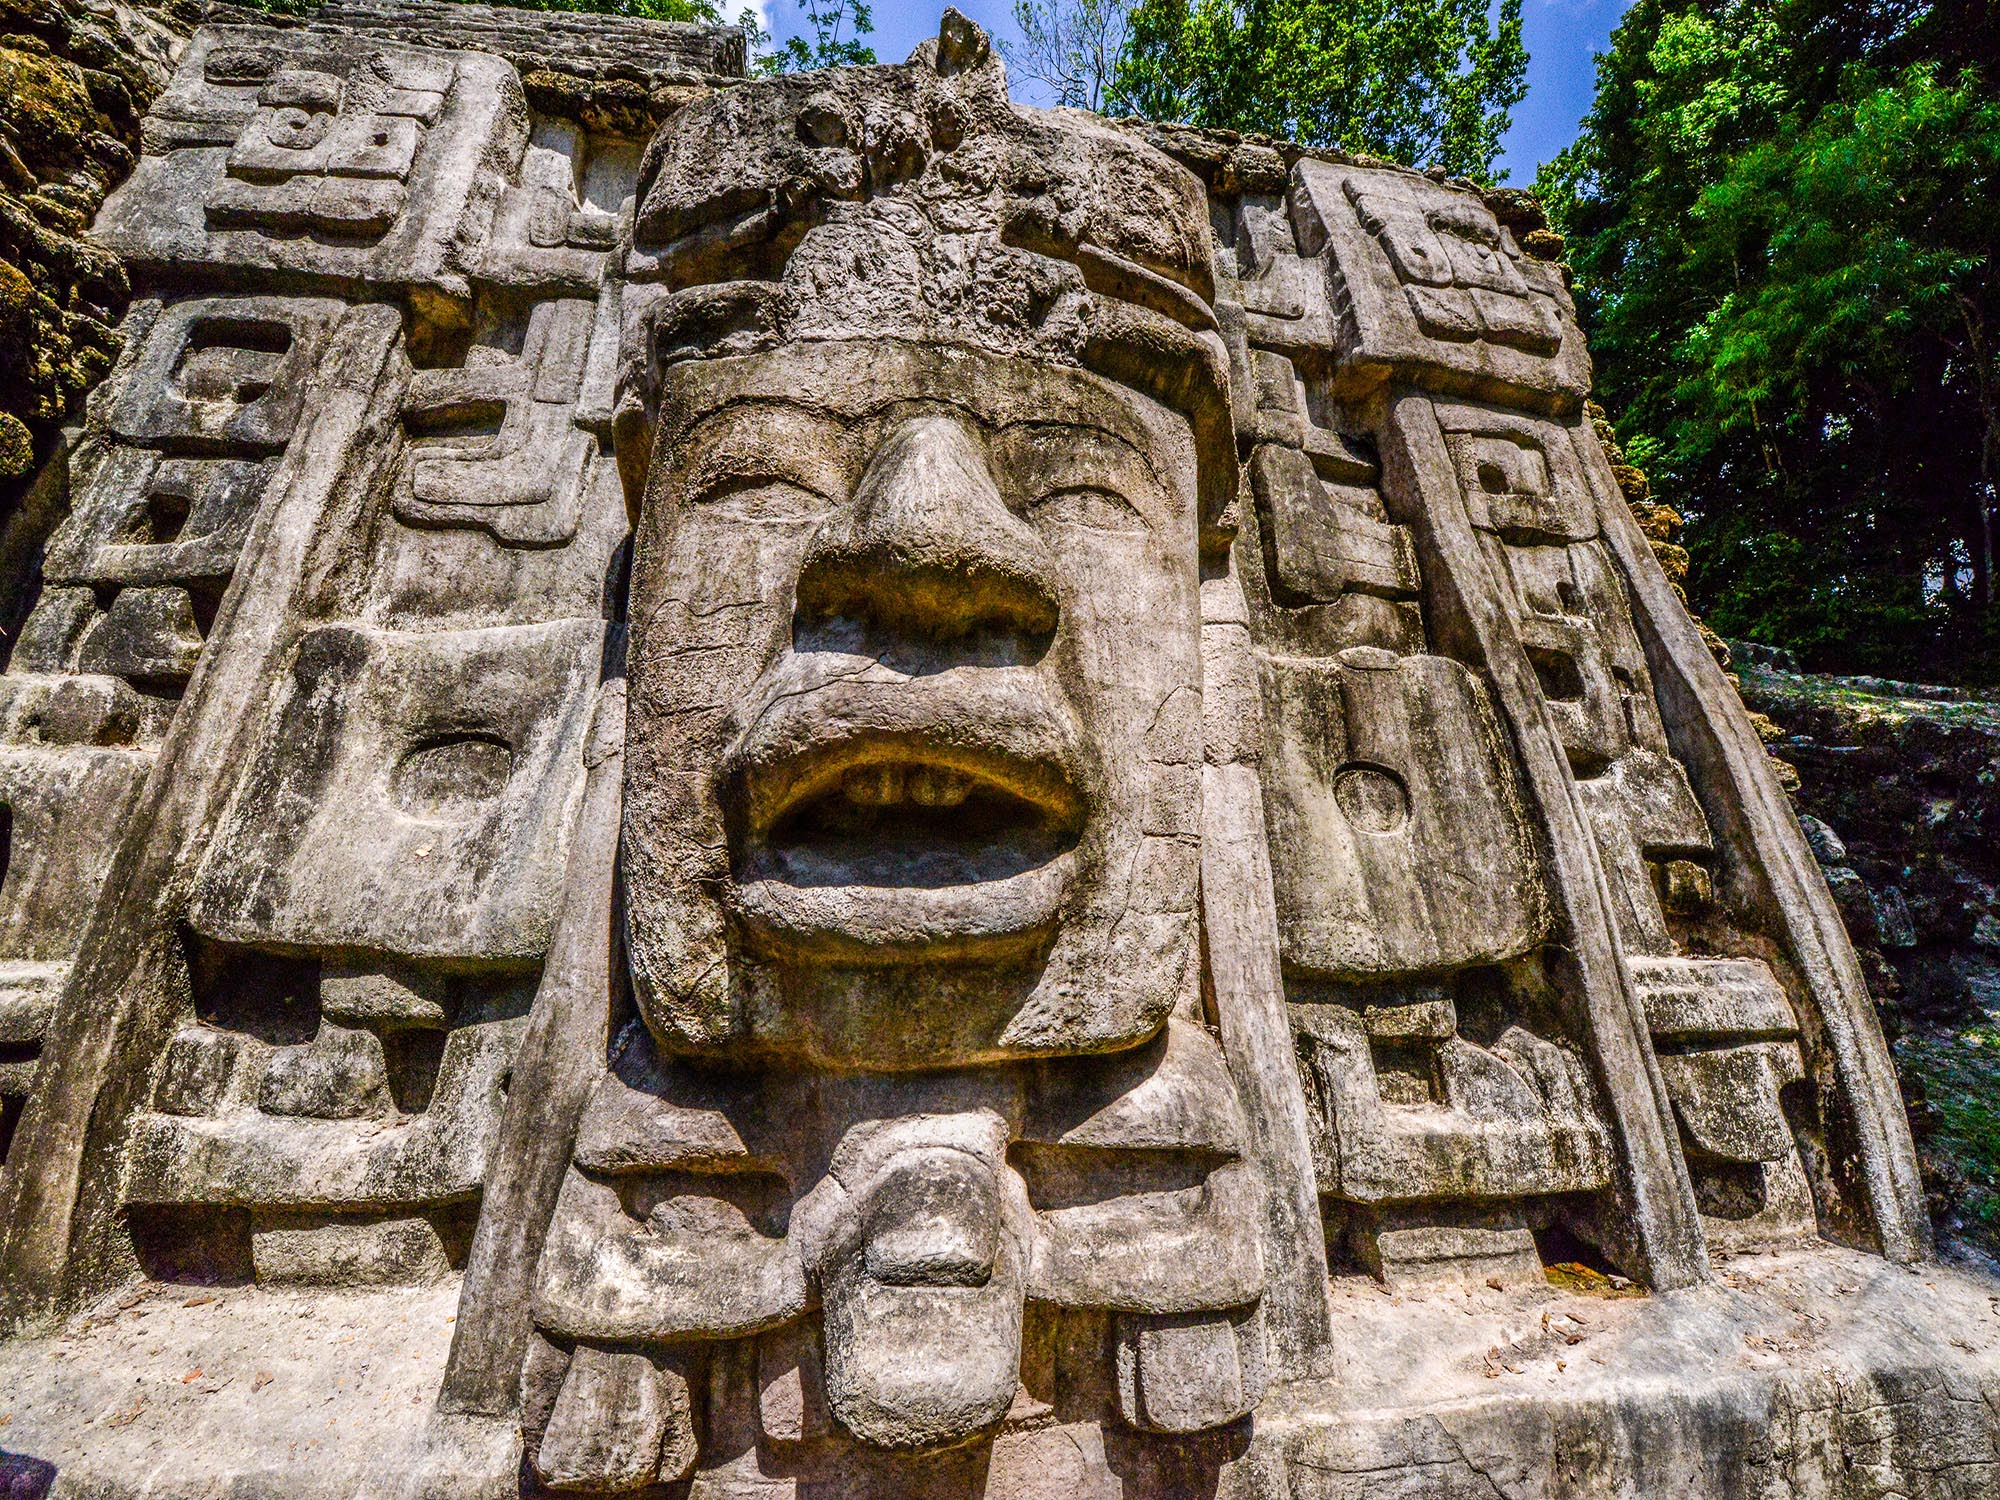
(838, 27)
(1783, 217)
(1429, 82)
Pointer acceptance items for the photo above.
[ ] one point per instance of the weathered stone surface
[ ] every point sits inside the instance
(1825, 1372)
(930, 799)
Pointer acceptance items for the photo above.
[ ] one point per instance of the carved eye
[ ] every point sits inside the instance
(1095, 509)
(765, 500)
(1373, 797)
(451, 777)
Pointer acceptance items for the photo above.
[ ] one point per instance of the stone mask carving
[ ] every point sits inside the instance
(911, 787)
(887, 794)
(910, 777)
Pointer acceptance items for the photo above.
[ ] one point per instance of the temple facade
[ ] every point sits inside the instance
(815, 787)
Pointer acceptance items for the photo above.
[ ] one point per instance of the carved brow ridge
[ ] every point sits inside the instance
(753, 468)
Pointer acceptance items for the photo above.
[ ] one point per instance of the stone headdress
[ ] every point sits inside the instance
(914, 202)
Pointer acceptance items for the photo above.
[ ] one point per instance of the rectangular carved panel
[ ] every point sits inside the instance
(1429, 287)
(362, 162)
(411, 796)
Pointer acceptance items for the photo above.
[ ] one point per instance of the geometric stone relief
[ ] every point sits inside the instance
(223, 375)
(1332, 607)
(367, 163)
(148, 518)
(492, 445)
(163, 497)
(370, 919)
(1729, 1052)
(322, 1122)
(495, 498)
(204, 406)
(1525, 493)
(1426, 283)
(1410, 894)
(1411, 907)
(562, 219)
(936, 798)
(1382, 866)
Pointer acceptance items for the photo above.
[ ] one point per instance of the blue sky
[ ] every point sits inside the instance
(1562, 37)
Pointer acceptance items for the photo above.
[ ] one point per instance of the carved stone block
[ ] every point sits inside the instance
(1430, 288)
(496, 445)
(1399, 844)
(62, 813)
(223, 375)
(1323, 537)
(567, 211)
(1426, 1114)
(148, 519)
(365, 163)
(1730, 1057)
(343, 1120)
(1521, 478)
(411, 797)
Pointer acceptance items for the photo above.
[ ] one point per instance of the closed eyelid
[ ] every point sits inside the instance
(748, 447)
(1096, 506)
(1077, 460)
(722, 481)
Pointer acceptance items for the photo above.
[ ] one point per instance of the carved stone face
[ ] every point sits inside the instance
(912, 767)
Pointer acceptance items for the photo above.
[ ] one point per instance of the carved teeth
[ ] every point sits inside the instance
(885, 786)
(873, 786)
(934, 786)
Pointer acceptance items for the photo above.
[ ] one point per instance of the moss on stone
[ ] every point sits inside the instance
(71, 96)
(1959, 1073)
(17, 447)
(45, 107)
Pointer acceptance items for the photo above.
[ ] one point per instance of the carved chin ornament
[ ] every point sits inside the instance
(926, 797)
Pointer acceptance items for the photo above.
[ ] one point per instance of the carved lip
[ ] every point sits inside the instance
(891, 820)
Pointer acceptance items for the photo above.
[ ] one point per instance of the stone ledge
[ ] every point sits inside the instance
(611, 47)
(1828, 1373)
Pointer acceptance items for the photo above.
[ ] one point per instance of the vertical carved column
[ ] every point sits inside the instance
(287, 1033)
(1466, 352)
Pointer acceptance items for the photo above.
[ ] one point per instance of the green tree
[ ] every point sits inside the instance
(1428, 82)
(1783, 217)
(837, 29)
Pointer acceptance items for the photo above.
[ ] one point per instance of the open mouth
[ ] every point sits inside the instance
(913, 823)
(878, 848)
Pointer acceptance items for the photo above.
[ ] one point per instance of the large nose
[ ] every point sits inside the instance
(928, 545)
